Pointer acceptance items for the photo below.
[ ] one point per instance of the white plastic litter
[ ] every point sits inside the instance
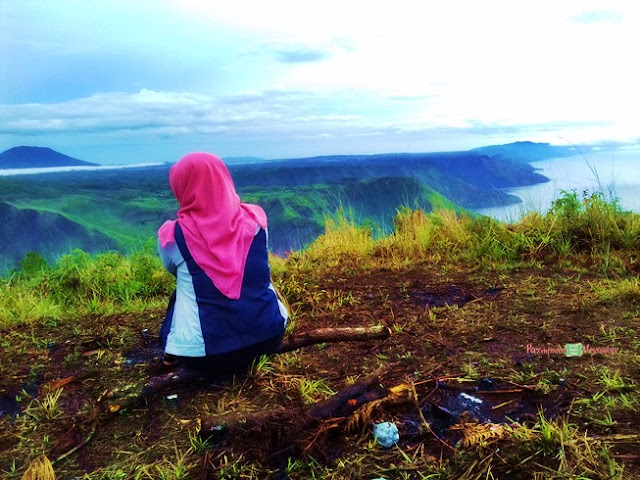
(471, 397)
(386, 434)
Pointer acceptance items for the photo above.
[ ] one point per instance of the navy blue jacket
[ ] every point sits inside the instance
(201, 321)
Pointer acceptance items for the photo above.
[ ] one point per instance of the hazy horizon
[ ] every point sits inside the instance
(610, 149)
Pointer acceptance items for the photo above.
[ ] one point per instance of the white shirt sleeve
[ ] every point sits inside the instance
(168, 257)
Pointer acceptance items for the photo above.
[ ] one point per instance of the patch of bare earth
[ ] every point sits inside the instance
(470, 344)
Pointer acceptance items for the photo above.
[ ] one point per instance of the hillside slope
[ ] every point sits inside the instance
(50, 234)
(526, 152)
(469, 179)
(297, 214)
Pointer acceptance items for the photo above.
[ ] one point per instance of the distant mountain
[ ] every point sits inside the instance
(38, 157)
(527, 152)
(470, 179)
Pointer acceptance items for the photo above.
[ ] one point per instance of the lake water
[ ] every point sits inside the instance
(4, 172)
(614, 173)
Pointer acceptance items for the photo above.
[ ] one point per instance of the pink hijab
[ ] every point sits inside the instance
(217, 228)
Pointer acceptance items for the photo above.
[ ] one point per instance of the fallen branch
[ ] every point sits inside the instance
(215, 423)
(341, 404)
(620, 438)
(73, 450)
(88, 438)
(321, 335)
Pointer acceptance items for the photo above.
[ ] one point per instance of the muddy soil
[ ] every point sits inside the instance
(464, 339)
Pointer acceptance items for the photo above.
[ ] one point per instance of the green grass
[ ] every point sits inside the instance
(93, 215)
(590, 231)
(81, 284)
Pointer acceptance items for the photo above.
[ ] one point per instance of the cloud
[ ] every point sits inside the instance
(149, 112)
(301, 54)
(274, 123)
(599, 16)
(296, 112)
(286, 51)
(411, 98)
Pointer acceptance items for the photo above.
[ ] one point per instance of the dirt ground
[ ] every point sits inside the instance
(471, 344)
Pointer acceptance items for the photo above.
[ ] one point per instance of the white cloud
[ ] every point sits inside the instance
(167, 113)
(293, 52)
(283, 114)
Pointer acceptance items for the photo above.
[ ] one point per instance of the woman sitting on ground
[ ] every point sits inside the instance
(225, 311)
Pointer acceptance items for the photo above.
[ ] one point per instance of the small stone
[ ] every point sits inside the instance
(386, 434)
(486, 384)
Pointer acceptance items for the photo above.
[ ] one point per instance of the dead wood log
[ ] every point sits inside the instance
(337, 334)
(340, 404)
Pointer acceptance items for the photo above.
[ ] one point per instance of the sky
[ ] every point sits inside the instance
(121, 81)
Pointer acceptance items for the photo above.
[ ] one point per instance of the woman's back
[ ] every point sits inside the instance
(205, 322)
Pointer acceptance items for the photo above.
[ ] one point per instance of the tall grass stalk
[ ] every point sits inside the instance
(343, 241)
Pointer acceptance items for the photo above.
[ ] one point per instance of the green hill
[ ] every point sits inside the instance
(126, 208)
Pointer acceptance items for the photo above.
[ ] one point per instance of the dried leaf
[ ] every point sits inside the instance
(476, 434)
(62, 382)
(364, 415)
(40, 469)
